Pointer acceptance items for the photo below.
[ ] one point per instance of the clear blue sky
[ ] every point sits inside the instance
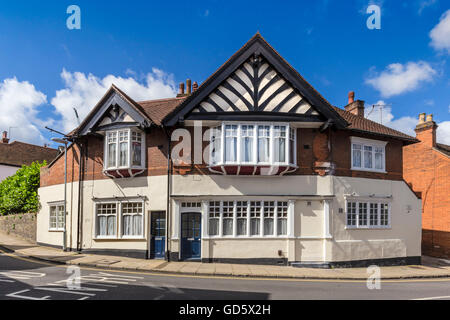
(327, 41)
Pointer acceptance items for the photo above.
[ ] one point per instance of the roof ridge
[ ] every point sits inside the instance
(29, 144)
(164, 99)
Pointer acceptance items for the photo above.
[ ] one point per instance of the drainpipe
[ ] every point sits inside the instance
(80, 190)
(169, 176)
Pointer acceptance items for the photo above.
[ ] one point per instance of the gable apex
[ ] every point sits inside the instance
(290, 92)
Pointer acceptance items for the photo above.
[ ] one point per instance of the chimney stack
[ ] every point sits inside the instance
(5, 139)
(355, 107)
(195, 86)
(181, 90)
(188, 87)
(426, 130)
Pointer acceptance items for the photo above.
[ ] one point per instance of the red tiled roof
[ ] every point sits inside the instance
(20, 153)
(157, 110)
(365, 125)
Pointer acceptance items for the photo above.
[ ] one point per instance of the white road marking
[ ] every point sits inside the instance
(22, 275)
(433, 298)
(19, 295)
(84, 298)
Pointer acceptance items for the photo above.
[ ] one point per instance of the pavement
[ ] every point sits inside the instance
(430, 268)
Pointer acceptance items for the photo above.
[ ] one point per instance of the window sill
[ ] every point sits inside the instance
(368, 170)
(369, 228)
(246, 237)
(56, 230)
(119, 239)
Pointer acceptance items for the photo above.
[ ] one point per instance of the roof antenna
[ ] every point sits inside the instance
(76, 115)
(381, 110)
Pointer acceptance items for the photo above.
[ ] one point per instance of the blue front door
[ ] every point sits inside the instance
(158, 235)
(191, 228)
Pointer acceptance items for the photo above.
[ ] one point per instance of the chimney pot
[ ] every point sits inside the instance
(188, 86)
(422, 118)
(351, 97)
(181, 91)
(430, 118)
(195, 86)
(5, 137)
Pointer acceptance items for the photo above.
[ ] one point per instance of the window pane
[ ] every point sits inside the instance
(373, 216)
(227, 227)
(292, 148)
(379, 158)
(247, 143)
(123, 162)
(368, 157)
(351, 214)
(127, 227)
(136, 149)
(279, 144)
(362, 214)
(231, 143)
(111, 226)
(263, 143)
(112, 155)
(384, 214)
(282, 227)
(357, 156)
(102, 226)
(216, 145)
(268, 227)
(213, 227)
(137, 225)
(241, 227)
(255, 227)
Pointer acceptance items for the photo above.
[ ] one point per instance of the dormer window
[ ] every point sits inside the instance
(253, 148)
(124, 156)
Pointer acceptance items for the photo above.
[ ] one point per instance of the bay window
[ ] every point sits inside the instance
(368, 155)
(367, 214)
(124, 149)
(253, 144)
(119, 219)
(248, 218)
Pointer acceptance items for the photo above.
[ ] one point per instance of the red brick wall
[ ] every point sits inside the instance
(428, 172)
(311, 147)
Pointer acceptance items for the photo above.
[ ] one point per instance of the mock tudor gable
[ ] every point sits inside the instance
(256, 83)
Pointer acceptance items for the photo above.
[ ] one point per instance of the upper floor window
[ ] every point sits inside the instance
(253, 144)
(368, 155)
(124, 149)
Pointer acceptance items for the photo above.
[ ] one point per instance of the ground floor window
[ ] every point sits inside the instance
(56, 217)
(120, 219)
(367, 214)
(248, 218)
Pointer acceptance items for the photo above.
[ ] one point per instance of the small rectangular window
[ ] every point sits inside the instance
(269, 213)
(57, 217)
(367, 214)
(132, 219)
(362, 214)
(241, 214)
(214, 218)
(106, 219)
(357, 155)
(136, 148)
(247, 138)
(231, 136)
(228, 213)
(264, 144)
(279, 143)
(282, 216)
(351, 214)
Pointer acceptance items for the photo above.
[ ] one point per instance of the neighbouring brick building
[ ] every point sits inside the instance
(16, 154)
(253, 166)
(426, 168)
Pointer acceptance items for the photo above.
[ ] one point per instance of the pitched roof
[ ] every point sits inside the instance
(20, 153)
(362, 124)
(157, 110)
(257, 45)
(443, 148)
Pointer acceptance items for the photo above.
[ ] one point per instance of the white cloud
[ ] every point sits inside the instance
(398, 78)
(19, 102)
(84, 91)
(440, 35)
(443, 132)
(404, 124)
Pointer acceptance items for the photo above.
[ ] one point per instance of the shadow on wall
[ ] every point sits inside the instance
(20, 225)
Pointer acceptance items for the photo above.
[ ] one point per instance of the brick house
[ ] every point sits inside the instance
(253, 166)
(426, 167)
(16, 154)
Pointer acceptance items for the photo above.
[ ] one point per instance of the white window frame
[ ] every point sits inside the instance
(368, 202)
(119, 220)
(240, 162)
(368, 143)
(56, 205)
(130, 142)
(248, 218)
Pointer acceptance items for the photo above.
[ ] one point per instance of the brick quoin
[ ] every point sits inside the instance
(427, 170)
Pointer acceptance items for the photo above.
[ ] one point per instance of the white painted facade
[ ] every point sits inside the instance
(317, 230)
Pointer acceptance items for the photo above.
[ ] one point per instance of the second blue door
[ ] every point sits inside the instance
(158, 235)
(191, 226)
